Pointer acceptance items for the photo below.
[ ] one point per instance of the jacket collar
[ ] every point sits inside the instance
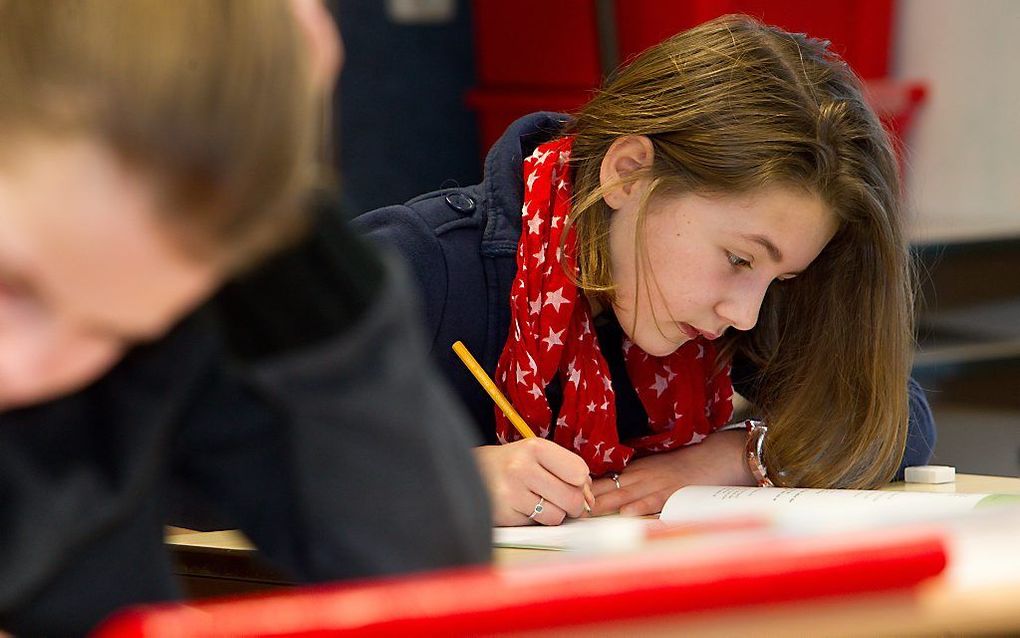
(503, 185)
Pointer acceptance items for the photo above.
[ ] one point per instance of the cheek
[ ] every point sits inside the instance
(683, 275)
(40, 359)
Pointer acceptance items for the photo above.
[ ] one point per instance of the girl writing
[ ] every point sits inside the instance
(724, 212)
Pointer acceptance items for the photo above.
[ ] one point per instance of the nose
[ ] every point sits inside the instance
(740, 308)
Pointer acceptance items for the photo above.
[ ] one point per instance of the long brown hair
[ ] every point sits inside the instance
(211, 98)
(732, 106)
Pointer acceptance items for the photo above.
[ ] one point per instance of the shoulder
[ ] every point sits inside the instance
(420, 227)
(439, 236)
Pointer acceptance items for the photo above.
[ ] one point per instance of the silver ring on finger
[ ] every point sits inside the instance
(539, 508)
(616, 479)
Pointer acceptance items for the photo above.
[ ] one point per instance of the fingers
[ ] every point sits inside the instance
(569, 467)
(564, 495)
(636, 496)
(603, 486)
(611, 502)
(565, 467)
(651, 504)
(535, 509)
(517, 478)
(611, 494)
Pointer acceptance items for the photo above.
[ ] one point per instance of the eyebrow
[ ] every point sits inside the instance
(774, 253)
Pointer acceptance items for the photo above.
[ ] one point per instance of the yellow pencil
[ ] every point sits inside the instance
(504, 405)
(493, 391)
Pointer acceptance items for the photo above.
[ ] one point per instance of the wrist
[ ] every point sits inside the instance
(731, 444)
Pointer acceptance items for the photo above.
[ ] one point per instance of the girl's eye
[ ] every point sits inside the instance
(737, 262)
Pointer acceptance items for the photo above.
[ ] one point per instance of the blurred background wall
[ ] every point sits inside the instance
(965, 142)
(403, 127)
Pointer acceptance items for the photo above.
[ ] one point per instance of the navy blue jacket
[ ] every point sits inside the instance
(461, 244)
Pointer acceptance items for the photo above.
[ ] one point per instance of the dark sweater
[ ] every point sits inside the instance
(324, 436)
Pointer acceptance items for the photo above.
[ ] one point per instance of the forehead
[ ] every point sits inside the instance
(797, 221)
(773, 207)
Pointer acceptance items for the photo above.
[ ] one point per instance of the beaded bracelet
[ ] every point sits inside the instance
(753, 452)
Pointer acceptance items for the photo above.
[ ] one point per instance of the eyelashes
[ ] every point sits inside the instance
(737, 262)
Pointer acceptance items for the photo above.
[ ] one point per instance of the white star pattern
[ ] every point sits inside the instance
(524, 211)
(696, 437)
(579, 440)
(521, 374)
(607, 454)
(554, 222)
(660, 385)
(553, 339)
(535, 225)
(539, 256)
(536, 306)
(536, 391)
(606, 381)
(532, 178)
(575, 377)
(591, 407)
(556, 299)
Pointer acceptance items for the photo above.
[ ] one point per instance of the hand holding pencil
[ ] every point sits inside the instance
(531, 480)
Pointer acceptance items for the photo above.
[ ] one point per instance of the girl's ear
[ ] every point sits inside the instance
(625, 157)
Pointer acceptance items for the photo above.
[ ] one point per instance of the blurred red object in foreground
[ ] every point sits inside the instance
(595, 592)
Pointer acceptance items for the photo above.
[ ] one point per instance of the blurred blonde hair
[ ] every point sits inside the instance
(732, 106)
(210, 98)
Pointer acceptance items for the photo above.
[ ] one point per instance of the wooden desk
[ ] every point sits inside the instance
(936, 609)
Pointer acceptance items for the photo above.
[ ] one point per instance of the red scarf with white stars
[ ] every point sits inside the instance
(551, 333)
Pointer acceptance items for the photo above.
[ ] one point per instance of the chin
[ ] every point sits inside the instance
(660, 347)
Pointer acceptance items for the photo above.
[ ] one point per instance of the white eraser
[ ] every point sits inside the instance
(930, 474)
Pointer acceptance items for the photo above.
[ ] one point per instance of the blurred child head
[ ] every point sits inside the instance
(150, 149)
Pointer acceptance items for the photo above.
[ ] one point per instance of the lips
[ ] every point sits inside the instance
(694, 333)
(690, 331)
